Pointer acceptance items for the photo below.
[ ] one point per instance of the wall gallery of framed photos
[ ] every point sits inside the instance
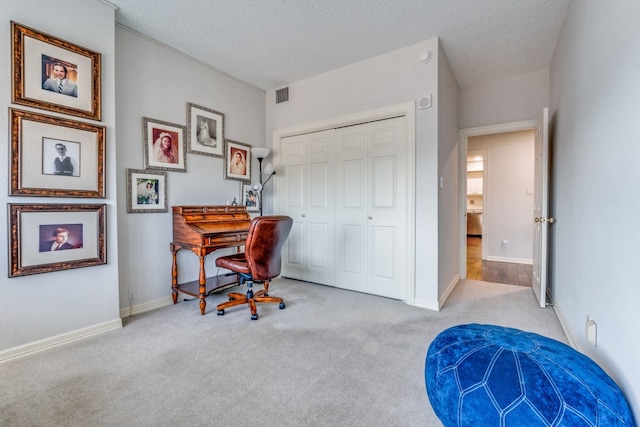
(55, 156)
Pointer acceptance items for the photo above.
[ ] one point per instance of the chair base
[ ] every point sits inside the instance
(250, 298)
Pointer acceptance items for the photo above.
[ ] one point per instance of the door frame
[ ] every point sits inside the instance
(408, 110)
(464, 135)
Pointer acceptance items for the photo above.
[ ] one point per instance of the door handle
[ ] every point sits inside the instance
(303, 215)
(370, 217)
(550, 220)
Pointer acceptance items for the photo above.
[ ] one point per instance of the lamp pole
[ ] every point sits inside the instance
(260, 159)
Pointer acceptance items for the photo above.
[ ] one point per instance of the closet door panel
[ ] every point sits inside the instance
(384, 182)
(351, 208)
(307, 197)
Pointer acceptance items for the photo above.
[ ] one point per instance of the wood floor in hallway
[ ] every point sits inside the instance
(494, 271)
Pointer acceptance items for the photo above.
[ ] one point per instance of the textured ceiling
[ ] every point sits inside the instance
(271, 43)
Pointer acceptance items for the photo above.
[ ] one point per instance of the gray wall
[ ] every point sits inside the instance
(448, 169)
(513, 99)
(508, 209)
(394, 78)
(595, 87)
(157, 82)
(44, 309)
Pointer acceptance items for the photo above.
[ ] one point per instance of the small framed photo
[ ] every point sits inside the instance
(55, 75)
(237, 161)
(250, 198)
(56, 157)
(164, 147)
(47, 238)
(205, 131)
(146, 191)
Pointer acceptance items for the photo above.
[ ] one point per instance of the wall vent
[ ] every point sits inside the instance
(282, 95)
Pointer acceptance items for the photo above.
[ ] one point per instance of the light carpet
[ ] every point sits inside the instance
(331, 358)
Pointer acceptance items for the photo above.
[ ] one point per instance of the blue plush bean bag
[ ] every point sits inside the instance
(486, 375)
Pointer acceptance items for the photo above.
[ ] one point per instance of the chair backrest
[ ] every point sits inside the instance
(263, 248)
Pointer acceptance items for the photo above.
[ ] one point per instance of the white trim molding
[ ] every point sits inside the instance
(55, 341)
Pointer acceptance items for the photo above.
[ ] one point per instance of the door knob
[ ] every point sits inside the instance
(550, 220)
(303, 215)
(370, 217)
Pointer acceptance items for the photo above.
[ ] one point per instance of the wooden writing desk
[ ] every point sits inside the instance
(203, 229)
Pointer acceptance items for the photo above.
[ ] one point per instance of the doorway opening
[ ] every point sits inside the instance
(497, 204)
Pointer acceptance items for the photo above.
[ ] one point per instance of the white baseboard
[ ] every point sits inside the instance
(448, 291)
(147, 306)
(436, 305)
(48, 343)
(572, 342)
(427, 303)
(514, 260)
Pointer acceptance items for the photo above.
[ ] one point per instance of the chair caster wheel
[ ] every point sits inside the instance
(220, 312)
(282, 306)
(254, 316)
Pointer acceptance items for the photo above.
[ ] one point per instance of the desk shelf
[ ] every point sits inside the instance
(214, 284)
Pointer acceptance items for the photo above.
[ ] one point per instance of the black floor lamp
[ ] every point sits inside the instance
(260, 153)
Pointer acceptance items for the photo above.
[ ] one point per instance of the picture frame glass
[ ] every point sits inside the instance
(205, 130)
(164, 146)
(55, 75)
(53, 237)
(56, 157)
(250, 198)
(146, 191)
(237, 161)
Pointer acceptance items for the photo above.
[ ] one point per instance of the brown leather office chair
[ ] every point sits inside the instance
(260, 262)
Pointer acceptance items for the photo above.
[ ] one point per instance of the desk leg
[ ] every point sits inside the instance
(203, 284)
(174, 273)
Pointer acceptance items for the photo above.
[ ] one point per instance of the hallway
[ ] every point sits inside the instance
(494, 271)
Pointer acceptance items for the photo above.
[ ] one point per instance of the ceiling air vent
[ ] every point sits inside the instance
(282, 95)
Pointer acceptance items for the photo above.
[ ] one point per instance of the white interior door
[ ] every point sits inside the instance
(371, 210)
(307, 197)
(541, 210)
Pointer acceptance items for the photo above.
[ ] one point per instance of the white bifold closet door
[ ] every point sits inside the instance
(370, 208)
(307, 197)
(346, 191)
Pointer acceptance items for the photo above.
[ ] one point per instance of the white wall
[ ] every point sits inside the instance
(448, 165)
(157, 82)
(595, 87)
(394, 78)
(508, 210)
(63, 304)
(512, 99)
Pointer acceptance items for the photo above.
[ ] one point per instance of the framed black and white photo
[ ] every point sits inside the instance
(146, 191)
(53, 74)
(205, 131)
(237, 161)
(47, 238)
(250, 198)
(164, 147)
(56, 157)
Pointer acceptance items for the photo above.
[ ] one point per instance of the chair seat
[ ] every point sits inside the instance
(237, 263)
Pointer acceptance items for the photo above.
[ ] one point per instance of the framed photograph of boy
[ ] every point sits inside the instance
(146, 191)
(250, 198)
(205, 131)
(164, 146)
(47, 238)
(237, 161)
(53, 74)
(56, 157)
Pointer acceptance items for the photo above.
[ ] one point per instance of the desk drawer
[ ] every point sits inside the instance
(226, 239)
